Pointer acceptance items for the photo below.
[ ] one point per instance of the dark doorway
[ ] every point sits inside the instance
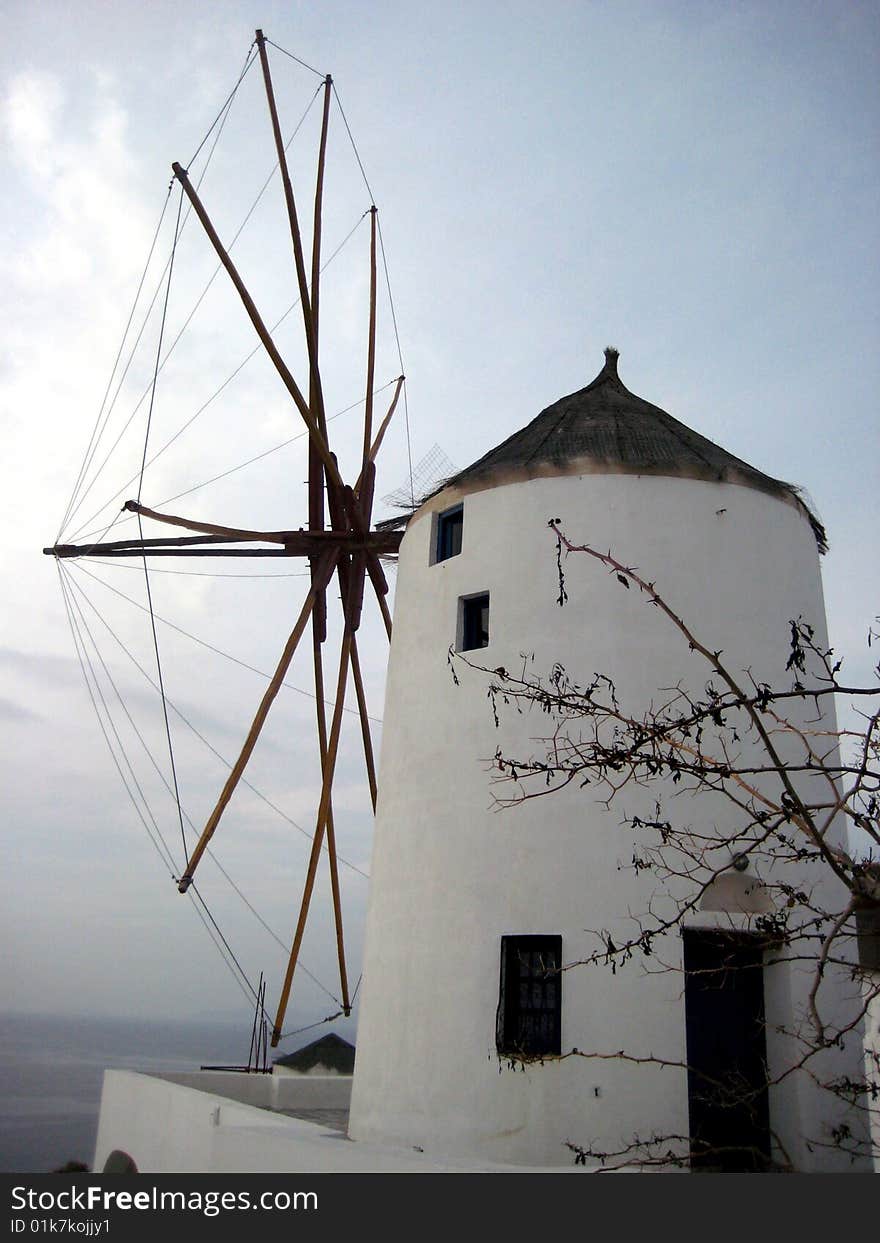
(726, 1051)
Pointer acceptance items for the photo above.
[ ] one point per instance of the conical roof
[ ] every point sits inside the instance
(605, 426)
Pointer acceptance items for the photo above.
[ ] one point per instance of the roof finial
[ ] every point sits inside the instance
(611, 357)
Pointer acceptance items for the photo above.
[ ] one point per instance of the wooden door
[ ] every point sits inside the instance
(727, 1051)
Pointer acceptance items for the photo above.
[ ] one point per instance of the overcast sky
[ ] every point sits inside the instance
(695, 183)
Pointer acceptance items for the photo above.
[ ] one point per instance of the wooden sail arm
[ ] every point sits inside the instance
(137, 545)
(316, 392)
(320, 581)
(317, 842)
(352, 587)
(355, 515)
(208, 528)
(368, 488)
(380, 596)
(371, 343)
(304, 542)
(262, 331)
(317, 652)
(168, 549)
(383, 428)
(316, 232)
(316, 403)
(366, 733)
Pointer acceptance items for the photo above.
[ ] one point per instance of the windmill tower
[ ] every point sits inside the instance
(464, 1010)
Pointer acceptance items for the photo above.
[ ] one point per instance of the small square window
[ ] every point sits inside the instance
(473, 622)
(450, 526)
(529, 1021)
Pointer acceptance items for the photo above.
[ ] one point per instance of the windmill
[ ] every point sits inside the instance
(338, 543)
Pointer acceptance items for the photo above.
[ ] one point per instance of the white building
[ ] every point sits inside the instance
(469, 905)
(472, 909)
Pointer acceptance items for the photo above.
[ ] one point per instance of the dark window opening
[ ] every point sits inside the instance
(474, 622)
(449, 531)
(529, 1021)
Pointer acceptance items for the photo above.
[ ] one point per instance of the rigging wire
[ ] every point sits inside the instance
(119, 565)
(387, 284)
(232, 469)
(296, 58)
(267, 452)
(69, 516)
(399, 358)
(353, 144)
(258, 348)
(229, 949)
(140, 527)
(162, 850)
(248, 61)
(168, 859)
(226, 763)
(246, 987)
(87, 456)
(211, 648)
(310, 1026)
(101, 534)
(83, 657)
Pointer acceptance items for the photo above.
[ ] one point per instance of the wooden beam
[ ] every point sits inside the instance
(68, 551)
(383, 603)
(365, 721)
(367, 491)
(356, 597)
(383, 427)
(139, 545)
(208, 528)
(316, 402)
(316, 398)
(299, 541)
(261, 329)
(331, 829)
(371, 343)
(320, 825)
(316, 230)
(272, 689)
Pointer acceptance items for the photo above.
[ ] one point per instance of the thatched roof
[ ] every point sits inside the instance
(605, 425)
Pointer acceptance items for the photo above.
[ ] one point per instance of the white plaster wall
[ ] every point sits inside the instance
(211, 1121)
(167, 1127)
(451, 874)
(278, 1090)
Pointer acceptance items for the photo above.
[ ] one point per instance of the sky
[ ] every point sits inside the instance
(695, 183)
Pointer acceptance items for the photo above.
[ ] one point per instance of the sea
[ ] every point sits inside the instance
(51, 1071)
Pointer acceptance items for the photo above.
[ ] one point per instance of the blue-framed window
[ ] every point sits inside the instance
(450, 526)
(473, 622)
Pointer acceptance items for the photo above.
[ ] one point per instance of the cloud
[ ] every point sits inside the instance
(79, 184)
(10, 711)
(31, 113)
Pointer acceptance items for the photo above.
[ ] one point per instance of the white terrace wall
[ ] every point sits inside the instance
(451, 874)
(169, 1127)
(210, 1121)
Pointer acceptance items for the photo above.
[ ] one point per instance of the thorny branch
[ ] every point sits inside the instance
(789, 784)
